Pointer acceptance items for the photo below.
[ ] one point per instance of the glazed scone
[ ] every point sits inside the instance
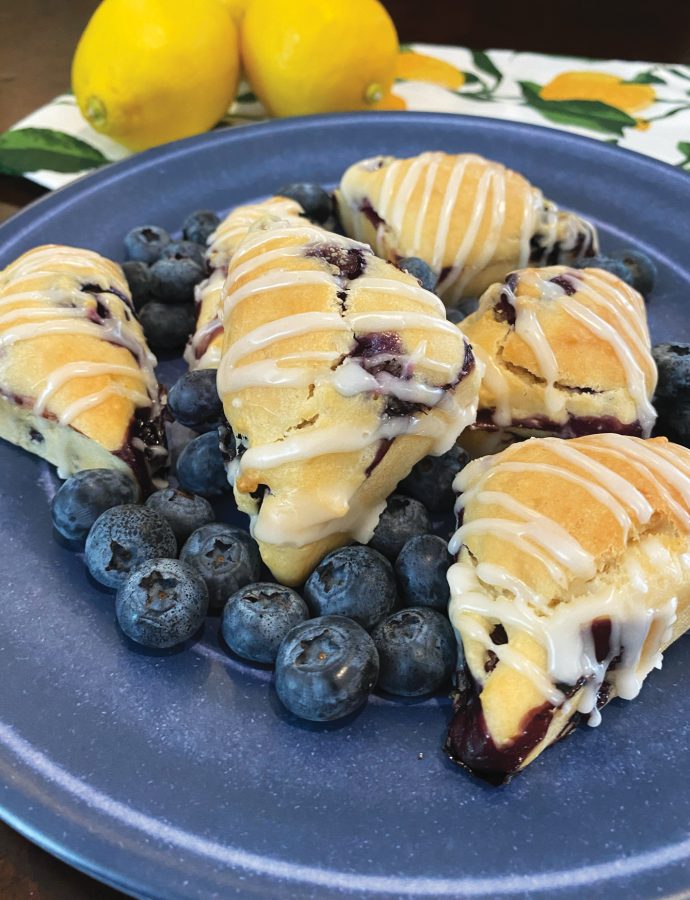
(205, 346)
(572, 577)
(470, 219)
(77, 382)
(339, 372)
(566, 353)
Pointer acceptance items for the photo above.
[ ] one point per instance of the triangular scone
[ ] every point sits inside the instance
(77, 382)
(572, 577)
(205, 346)
(470, 219)
(566, 353)
(339, 372)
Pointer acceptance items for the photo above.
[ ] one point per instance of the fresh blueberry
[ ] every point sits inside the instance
(185, 250)
(641, 267)
(85, 495)
(421, 568)
(608, 264)
(314, 200)
(456, 315)
(227, 558)
(200, 466)
(431, 480)
(326, 668)
(167, 327)
(673, 421)
(417, 651)
(673, 364)
(175, 279)
(183, 512)
(140, 282)
(403, 518)
(354, 581)
(200, 225)
(193, 400)
(258, 616)
(161, 603)
(124, 536)
(145, 243)
(420, 270)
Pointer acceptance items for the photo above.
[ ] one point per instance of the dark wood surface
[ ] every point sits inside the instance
(37, 39)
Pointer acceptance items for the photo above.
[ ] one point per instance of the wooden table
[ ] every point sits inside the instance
(37, 39)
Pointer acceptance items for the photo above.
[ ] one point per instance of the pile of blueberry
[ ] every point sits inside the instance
(162, 274)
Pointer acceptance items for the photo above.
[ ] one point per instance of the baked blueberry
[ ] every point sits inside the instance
(200, 225)
(673, 365)
(417, 651)
(166, 326)
(140, 281)
(185, 250)
(161, 603)
(431, 480)
(614, 266)
(421, 569)
(184, 512)
(226, 557)
(193, 400)
(124, 536)
(354, 581)
(145, 243)
(403, 518)
(85, 495)
(326, 668)
(257, 617)
(175, 279)
(200, 467)
(420, 270)
(641, 267)
(314, 200)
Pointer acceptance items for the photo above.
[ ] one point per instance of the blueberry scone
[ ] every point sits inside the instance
(566, 353)
(77, 382)
(470, 219)
(339, 372)
(572, 577)
(204, 348)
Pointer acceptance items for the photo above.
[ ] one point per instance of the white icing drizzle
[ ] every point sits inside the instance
(638, 631)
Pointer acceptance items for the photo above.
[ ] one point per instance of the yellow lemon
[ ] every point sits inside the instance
(610, 89)
(150, 71)
(312, 56)
(414, 66)
(236, 8)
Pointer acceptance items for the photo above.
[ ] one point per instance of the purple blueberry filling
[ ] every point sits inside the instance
(565, 282)
(349, 261)
(504, 311)
(368, 210)
(209, 335)
(377, 343)
(574, 426)
(226, 441)
(383, 448)
(97, 289)
(141, 449)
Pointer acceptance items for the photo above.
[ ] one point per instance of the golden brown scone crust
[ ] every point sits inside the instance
(589, 369)
(557, 536)
(470, 219)
(334, 488)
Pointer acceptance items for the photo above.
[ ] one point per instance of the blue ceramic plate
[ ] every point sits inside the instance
(180, 775)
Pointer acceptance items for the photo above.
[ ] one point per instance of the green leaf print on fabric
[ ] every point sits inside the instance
(592, 114)
(484, 64)
(29, 149)
(647, 77)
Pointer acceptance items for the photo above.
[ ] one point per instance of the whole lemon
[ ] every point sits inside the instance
(313, 56)
(150, 71)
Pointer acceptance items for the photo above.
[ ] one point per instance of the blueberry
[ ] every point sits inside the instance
(227, 558)
(417, 651)
(85, 495)
(314, 200)
(419, 270)
(185, 250)
(354, 581)
(614, 266)
(641, 267)
(673, 364)
(673, 421)
(193, 400)
(124, 536)
(145, 243)
(183, 512)
(167, 327)
(431, 480)
(175, 279)
(161, 603)
(403, 518)
(421, 568)
(140, 282)
(326, 668)
(456, 315)
(258, 616)
(200, 225)
(200, 466)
